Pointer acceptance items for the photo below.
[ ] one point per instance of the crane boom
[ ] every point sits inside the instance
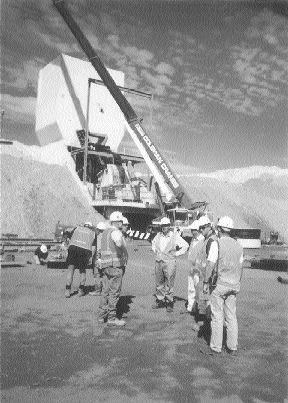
(148, 149)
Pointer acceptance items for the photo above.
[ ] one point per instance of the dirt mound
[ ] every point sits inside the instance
(35, 196)
(255, 203)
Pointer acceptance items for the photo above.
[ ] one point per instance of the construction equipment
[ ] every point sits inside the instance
(167, 180)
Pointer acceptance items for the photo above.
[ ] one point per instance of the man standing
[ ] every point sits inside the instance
(114, 258)
(96, 261)
(223, 297)
(194, 273)
(166, 245)
(79, 253)
(206, 261)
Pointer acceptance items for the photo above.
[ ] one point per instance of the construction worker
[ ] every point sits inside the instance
(125, 226)
(223, 297)
(194, 273)
(206, 262)
(96, 261)
(114, 258)
(41, 254)
(166, 245)
(79, 253)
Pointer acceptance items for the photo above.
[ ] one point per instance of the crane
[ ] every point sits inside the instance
(150, 152)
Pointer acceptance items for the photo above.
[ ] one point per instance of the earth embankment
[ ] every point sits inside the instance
(36, 195)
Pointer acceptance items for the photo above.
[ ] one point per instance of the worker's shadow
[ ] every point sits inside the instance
(123, 305)
(204, 331)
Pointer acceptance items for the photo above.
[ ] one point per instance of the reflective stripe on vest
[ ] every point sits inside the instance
(111, 255)
(83, 237)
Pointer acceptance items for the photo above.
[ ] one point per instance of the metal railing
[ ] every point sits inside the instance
(124, 193)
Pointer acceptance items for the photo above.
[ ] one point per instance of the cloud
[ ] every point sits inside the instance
(19, 109)
(21, 76)
(165, 68)
(158, 83)
(270, 28)
(141, 57)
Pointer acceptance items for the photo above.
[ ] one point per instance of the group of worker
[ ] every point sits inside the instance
(214, 275)
(109, 260)
(213, 279)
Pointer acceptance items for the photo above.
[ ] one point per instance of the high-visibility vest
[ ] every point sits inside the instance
(83, 237)
(170, 249)
(230, 263)
(111, 254)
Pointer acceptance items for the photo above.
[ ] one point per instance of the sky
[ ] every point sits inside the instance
(218, 72)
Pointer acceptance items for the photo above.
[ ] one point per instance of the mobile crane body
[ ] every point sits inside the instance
(153, 157)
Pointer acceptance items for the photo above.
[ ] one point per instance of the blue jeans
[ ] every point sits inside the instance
(112, 282)
(165, 273)
(223, 308)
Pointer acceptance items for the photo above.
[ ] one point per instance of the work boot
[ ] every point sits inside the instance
(116, 322)
(232, 352)
(95, 293)
(101, 320)
(209, 351)
(159, 304)
(67, 293)
(81, 292)
(195, 327)
(170, 306)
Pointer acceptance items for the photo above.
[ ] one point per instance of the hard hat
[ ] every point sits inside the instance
(165, 221)
(125, 221)
(203, 221)
(88, 224)
(194, 226)
(43, 248)
(101, 225)
(116, 216)
(225, 222)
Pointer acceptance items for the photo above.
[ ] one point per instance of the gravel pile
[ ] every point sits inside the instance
(36, 195)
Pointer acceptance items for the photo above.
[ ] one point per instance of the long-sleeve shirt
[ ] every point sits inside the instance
(169, 246)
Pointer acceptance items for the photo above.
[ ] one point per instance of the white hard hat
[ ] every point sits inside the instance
(88, 224)
(101, 225)
(43, 248)
(116, 216)
(195, 225)
(125, 221)
(165, 221)
(203, 220)
(226, 222)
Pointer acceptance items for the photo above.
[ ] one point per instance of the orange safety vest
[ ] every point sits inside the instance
(83, 237)
(111, 254)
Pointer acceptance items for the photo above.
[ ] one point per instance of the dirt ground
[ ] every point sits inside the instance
(53, 349)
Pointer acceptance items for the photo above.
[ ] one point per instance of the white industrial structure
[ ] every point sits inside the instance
(70, 105)
(62, 104)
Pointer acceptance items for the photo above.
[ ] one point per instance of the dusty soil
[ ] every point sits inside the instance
(53, 349)
(37, 195)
